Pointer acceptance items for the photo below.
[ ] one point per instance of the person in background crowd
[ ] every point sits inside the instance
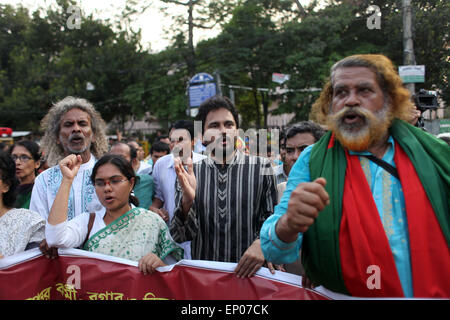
(297, 138)
(373, 193)
(143, 187)
(164, 138)
(140, 166)
(164, 175)
(72, 126)
(27, 157)
(20, 229)
(4, 147)
(118, 228)
(158, 149)
(223, 200)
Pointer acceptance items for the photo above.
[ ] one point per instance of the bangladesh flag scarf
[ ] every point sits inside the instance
(348, 237)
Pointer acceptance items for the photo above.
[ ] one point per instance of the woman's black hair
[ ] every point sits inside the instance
(33, 148)
(124, 167)
(8, 176)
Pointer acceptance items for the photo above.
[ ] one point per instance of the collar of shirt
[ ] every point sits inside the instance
(366, 153)
(238, 157)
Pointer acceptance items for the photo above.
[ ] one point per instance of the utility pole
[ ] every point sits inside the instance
(408, 47)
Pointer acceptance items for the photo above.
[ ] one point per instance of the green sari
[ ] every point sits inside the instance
(134, 235)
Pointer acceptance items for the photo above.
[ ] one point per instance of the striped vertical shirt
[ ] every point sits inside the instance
(231, 203)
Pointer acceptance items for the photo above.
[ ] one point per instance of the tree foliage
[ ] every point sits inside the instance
(42, 61)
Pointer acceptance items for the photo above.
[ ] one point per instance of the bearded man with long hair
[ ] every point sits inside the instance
(368, 204)
(72, 126)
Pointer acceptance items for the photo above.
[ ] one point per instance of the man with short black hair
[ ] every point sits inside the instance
(158, 150)
(297, 138)
(223, 200)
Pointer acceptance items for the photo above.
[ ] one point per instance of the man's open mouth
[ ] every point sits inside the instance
(353, 118)
(76, 140)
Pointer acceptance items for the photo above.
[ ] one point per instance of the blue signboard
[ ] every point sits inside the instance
(201, 88)
(201, 78)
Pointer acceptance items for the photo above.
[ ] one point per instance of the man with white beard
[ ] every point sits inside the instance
(72, 126)
(368, 203)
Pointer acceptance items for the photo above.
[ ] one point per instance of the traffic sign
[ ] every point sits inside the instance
(201, 78)
(201, 87)
(201, 92)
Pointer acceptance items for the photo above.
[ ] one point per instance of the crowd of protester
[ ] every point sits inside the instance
(298, 209)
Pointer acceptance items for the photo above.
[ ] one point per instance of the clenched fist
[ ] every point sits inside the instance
(304, 205)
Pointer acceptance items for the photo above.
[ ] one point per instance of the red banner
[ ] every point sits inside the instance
(81, 275)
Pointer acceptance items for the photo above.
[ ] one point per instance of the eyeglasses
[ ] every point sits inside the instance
(299, 148)
(23, 158)
(114, 181)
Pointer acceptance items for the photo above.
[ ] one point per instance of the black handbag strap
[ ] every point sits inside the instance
(386, 166)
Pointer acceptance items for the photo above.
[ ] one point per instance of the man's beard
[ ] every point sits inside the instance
(86, 144)
(363, 133)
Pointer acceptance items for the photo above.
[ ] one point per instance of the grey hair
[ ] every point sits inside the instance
(51, 123)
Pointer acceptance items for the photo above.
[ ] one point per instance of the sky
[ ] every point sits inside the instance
(152, 22)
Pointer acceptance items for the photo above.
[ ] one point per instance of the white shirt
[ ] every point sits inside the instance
(72, 234)
(164, 178)
(82, 196)
(144, 168)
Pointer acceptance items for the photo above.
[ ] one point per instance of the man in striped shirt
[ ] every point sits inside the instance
(223, 200)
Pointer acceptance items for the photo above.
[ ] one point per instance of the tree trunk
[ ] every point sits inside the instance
(258, 111)
(265, 103)
(191, 51)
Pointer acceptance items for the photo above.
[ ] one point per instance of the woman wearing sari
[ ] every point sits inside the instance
(20, 229)
(27, 157)
(118, 228)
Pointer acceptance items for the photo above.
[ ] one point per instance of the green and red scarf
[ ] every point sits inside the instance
(348, 235)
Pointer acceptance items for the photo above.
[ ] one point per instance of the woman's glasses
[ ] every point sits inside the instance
(113, 181)
(23, 158)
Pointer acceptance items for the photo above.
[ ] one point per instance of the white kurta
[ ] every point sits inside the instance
(18, 228)
(72, 234)
(82, 196)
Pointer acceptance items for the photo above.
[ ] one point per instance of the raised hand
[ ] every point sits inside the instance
(186, 179)
(70, 165)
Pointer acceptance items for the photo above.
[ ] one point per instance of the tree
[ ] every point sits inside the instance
(44, 61)
(249, 50)
(198, 14)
